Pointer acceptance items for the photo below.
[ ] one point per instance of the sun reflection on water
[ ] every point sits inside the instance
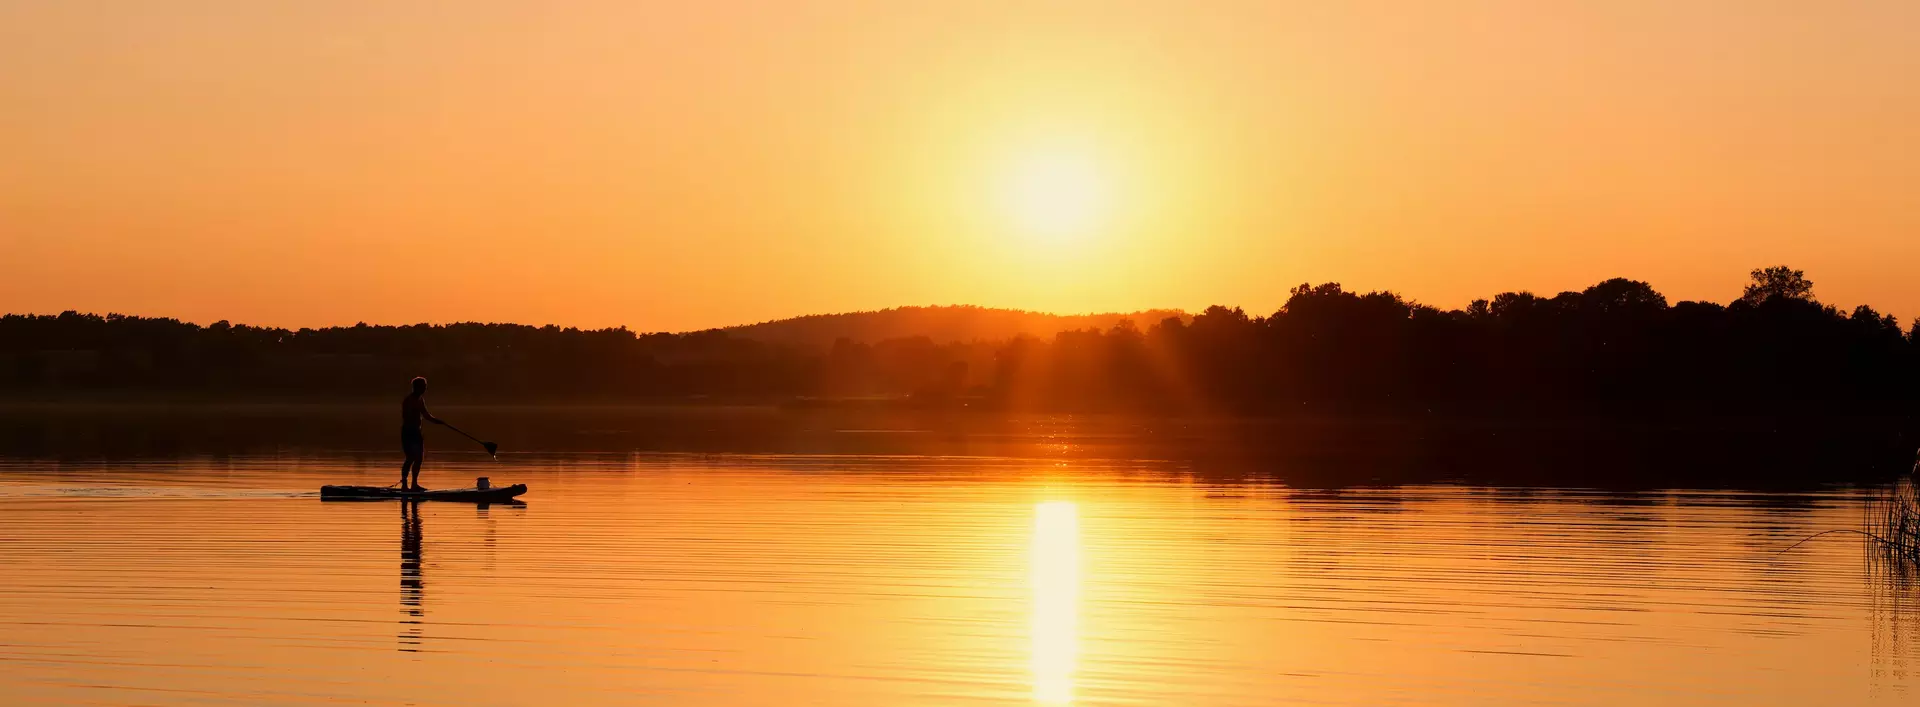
(1055, 578)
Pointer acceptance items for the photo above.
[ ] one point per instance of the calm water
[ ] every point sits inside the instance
(774, 580)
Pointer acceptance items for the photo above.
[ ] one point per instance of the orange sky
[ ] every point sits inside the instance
(684, 165)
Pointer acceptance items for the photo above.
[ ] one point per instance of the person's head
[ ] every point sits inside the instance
(420, 385)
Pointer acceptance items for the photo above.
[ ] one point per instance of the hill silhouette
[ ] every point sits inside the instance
(945, 324)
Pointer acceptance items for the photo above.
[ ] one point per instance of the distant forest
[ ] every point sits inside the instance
(1616, 348)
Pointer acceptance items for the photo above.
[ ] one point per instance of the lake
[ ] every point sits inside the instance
(742, 579)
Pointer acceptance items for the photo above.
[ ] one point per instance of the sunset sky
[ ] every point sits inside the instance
(669, 166)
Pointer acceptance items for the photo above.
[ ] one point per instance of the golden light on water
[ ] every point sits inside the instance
(1055, 577)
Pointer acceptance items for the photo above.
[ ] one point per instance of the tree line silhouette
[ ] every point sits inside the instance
(1617, 348)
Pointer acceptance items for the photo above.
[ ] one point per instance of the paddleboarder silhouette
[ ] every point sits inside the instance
(413, 409)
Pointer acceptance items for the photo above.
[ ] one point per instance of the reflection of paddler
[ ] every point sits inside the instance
(412, 583)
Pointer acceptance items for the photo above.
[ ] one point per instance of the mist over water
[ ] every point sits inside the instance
(730, 578)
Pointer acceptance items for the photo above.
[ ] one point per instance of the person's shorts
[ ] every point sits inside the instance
(412, 442)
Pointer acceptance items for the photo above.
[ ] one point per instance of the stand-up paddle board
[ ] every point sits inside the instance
(495, 494)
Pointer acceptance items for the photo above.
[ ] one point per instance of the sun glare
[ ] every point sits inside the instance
(1057, 197)
(1055, 577)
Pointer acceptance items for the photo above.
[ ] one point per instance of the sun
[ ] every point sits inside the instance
(1057, 197)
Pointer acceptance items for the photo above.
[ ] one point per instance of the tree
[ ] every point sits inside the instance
(1778, 281)
(1510, 304)
(1622, 295)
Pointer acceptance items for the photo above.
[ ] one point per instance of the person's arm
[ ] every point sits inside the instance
(428, 415)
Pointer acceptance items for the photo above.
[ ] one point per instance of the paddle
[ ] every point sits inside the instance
(492, 449)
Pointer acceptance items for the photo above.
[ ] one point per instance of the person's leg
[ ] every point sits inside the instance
(406, 460)
(415, 447)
